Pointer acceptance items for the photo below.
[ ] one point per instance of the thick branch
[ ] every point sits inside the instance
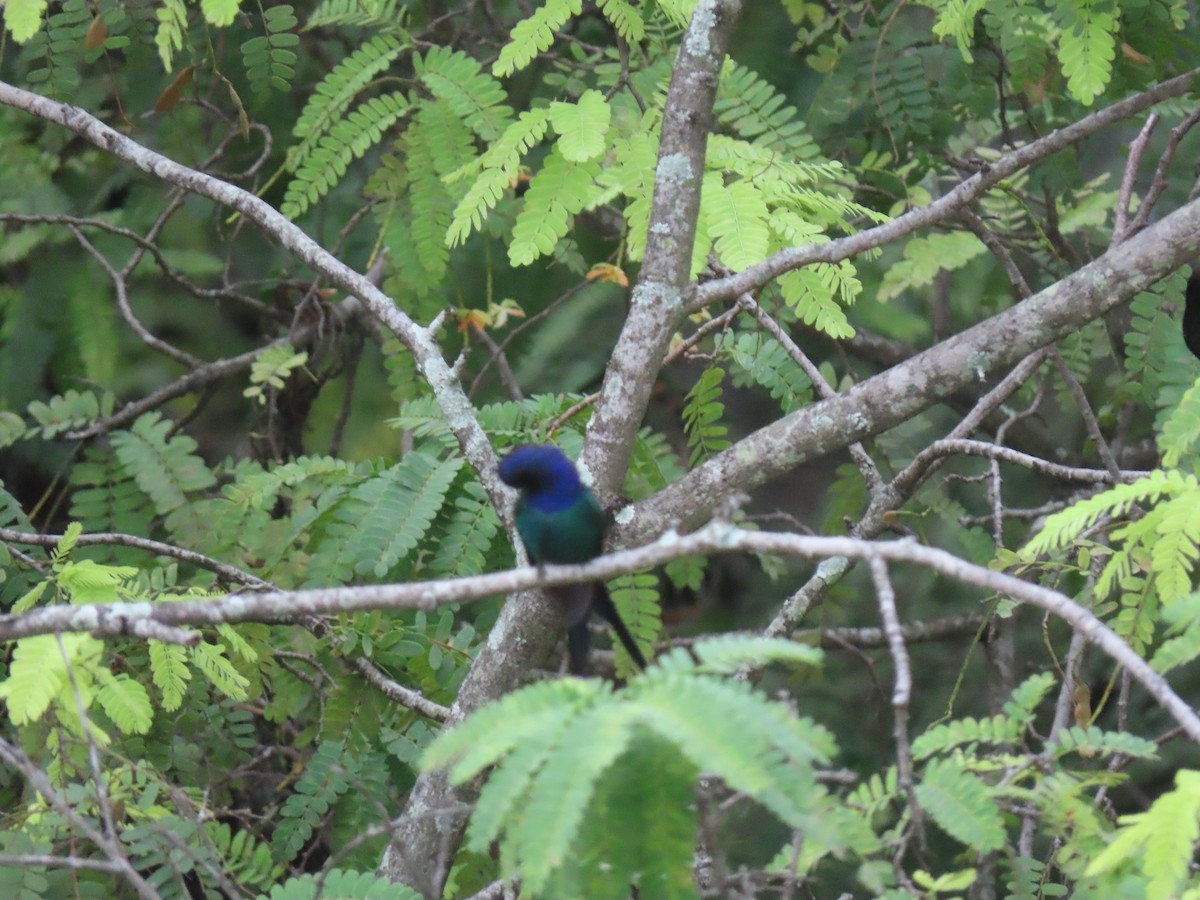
(660, 295)
(900, 393)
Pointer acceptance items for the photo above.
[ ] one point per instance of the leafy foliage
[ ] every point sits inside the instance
(533, 35)
(269, 59)
(483, 157)
(551, 744)
(702, 416)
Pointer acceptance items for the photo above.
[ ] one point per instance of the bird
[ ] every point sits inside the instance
(1191, 313)
(560, 521)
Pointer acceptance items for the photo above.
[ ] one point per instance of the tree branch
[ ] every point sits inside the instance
(659, 298)
(944, 207)
(106, 620)
(895, 396)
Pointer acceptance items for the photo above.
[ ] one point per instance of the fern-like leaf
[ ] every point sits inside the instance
(68, 411)
(475, 98)
(1092, 741)
(269, 59)
(549, 821)
(497, 168)
(437, 141)
(384, 16)
(1063, 527)
(272, 368)
(384, 519)
(957, 19)
(38, 673)
(726, 654)
(811, 292)
(126, 702)
(962, 805)
(534, 35)
(342, 884)
(702, 412)
(652, 466)
(581, 126)
(624, 18)
(638, 603)
(210, 659)
(608, 859)
(1181, 430)
(1086, 47)
(495, 730)
(165, 469)
(337, 90)
(323, 781)
(560, 190)
(169, 669)
(1174, 553)
(1159, 842)
(925, 257)
(473, 526)
(765, 361)
(508, 786)
(172, 23)
(349, 139)
(749, 106)
(736, 218)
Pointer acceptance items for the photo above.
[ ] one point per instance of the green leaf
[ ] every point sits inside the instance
(564, 786)
(219, 12)
(38, 672)
(534, 35)
(127, 703)
(23, 18)
(702, 414)
(165, 468)
(341, 884)
(581, 126)
(474, 97)
(1086, 47)
(210, 659)
(560, 190)
(497, 168)
(172, 23)
(925, 257)
(624, 18)
(637, 600)
(728, 653)
(962, 805)
(1159, 842)
(168, 666)
(736, 217)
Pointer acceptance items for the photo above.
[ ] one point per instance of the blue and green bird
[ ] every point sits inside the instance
(560, 521)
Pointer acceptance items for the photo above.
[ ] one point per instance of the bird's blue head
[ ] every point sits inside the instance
(545, 476)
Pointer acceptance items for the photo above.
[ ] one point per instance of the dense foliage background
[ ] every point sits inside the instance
(881, 301)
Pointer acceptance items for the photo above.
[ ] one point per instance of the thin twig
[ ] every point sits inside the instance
(1125, 195)
(901, 692)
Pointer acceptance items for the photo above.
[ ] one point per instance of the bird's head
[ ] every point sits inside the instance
(544, 474)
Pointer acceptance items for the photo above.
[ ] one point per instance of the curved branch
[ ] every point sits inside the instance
(944, 207)
(230, 574)
(420, 341)
(111, 619)
(895, 396)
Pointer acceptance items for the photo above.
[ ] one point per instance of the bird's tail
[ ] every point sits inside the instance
(603, 604)
(576, 601)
